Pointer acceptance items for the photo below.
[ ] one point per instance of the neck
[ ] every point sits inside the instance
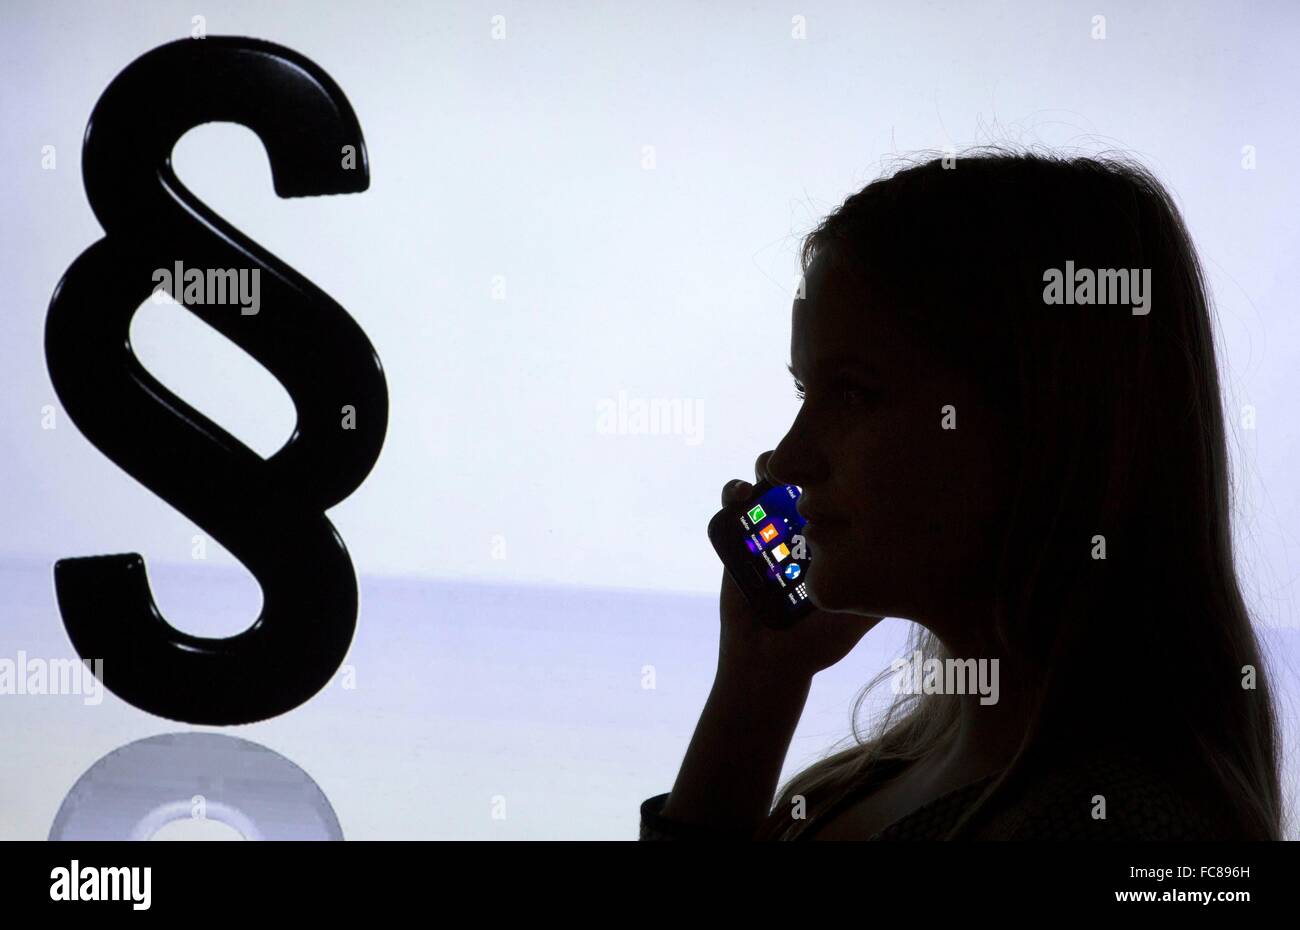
(992, 718)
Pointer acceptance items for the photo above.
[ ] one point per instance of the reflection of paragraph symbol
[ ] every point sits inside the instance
(269, 513)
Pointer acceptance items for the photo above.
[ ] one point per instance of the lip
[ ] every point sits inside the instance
(815, 528)
(812, 516)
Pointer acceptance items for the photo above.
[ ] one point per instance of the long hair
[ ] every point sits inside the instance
(1115, 566)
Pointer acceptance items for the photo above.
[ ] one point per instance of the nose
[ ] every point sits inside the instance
(793, 461)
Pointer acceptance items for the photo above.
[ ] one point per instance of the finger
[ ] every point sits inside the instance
(760, 466)
(735, 491)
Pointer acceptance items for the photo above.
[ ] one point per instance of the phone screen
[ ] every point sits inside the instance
(773, 551)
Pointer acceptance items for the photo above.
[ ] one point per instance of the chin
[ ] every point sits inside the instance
(822, 591)
(839, 591)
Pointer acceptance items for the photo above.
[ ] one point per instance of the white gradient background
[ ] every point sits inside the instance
(523, 158)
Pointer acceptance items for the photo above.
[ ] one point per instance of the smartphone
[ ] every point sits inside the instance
(761, 547)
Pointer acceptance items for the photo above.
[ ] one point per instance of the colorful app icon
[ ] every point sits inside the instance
(768, 533)
(757, 514)
(792, 571)
(780, 552)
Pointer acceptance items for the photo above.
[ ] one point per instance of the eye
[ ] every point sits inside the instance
(847, 394)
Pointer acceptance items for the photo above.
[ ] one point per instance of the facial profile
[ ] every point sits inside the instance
(898, 453)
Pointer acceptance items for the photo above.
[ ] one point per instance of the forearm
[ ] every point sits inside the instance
(733, 763)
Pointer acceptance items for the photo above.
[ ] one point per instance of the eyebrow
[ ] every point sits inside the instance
(834, 362)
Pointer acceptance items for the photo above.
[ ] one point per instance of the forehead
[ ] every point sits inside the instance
(837, 319)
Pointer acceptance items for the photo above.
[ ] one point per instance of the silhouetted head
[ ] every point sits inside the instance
(902, 449)
(1026, 476)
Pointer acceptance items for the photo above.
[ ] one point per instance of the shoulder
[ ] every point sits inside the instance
(655, 826)
(1118, 793)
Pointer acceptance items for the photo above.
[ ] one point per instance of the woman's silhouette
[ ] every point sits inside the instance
(1044, 484)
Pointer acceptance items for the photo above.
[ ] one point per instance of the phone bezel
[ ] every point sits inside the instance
(768, 603)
